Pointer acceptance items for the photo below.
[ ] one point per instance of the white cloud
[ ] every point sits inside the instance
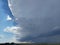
(9, 18)
(9, 4)
(13, 29)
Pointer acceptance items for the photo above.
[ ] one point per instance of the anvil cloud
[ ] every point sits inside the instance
(37, 18)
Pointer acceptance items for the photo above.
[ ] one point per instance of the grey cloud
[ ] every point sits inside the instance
(36, 17)
(53, 33)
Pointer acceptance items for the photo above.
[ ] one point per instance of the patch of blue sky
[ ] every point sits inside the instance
(4, 12)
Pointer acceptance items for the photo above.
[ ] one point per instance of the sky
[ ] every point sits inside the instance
(6, 20)
(39, 20)
(30, 21)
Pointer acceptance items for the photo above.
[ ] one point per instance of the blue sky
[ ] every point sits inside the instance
(6, 20)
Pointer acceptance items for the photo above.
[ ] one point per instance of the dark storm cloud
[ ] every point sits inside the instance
(36, 17)
(43, 35)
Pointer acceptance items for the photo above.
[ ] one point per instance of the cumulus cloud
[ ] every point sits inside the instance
(13, 29)
(36, 17)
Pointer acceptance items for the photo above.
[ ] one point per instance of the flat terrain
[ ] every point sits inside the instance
(30, 44)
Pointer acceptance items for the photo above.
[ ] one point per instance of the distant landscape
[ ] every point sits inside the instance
(29, 43)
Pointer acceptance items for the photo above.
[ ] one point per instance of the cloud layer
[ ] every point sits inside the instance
(36, 18)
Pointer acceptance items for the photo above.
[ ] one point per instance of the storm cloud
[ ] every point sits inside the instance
(36, 18)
